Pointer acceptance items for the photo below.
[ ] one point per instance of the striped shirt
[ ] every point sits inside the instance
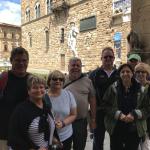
(38, 138)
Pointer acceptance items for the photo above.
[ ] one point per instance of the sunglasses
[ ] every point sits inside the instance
(140, 72)
(55, 79)
(110, 57)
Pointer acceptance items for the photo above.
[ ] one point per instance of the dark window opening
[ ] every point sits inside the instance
(47, 40)
(62, 36)
(5, 48)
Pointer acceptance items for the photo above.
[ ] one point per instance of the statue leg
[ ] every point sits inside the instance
(75, 53)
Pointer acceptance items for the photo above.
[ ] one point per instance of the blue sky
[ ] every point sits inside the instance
(15, 1)
(10, 12)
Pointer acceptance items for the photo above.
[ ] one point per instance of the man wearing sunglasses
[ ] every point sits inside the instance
(82, 88)
(102, 78)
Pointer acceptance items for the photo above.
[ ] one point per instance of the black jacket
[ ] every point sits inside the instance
(22, 117)
(101, 82)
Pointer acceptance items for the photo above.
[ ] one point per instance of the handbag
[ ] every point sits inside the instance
(57, 146)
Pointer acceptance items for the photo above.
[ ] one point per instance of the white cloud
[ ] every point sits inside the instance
(10, 12)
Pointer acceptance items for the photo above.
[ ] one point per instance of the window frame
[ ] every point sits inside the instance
(48, 6)
(37, 10)
(27, 14)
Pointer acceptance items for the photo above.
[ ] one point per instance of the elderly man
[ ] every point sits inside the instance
(83, 90)
(14, 92)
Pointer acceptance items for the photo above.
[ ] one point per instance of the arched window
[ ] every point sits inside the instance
(62, 35)
(5, 47)
(5, 34)
(27, 15)
(48, 6)
(13, 35)
(37, 10)
(46, 38)
(30, 39)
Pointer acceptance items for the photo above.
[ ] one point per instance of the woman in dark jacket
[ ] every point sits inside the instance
(142, 73)
(32, 125)
(126, 109)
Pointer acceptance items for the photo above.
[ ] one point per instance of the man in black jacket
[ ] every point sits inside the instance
(15, 90)
(102, 78)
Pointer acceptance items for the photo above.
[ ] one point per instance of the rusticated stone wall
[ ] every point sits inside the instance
(89, 43)
(10, 37)
(141, 24)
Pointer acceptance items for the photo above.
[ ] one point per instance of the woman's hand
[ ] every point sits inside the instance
(59, 124)
(57, 142)
(129, 118)
(122, 117)
(43, 148)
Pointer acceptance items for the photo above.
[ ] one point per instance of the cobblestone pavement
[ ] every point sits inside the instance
(89, 143)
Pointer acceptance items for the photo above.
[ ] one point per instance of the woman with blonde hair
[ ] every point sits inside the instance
(142, 73)
(63, 107)
(32, 125)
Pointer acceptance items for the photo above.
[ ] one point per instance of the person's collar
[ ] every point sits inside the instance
(18, 75)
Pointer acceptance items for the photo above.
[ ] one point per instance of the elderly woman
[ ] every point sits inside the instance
(32, 124)
(63, 106)
(142, 73)
(126, 109)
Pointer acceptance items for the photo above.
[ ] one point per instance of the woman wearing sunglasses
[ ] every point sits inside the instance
(142, 73)
(63, 106)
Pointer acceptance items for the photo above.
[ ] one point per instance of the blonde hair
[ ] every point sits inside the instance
(33, 79)
(55, 74)
(142, 66)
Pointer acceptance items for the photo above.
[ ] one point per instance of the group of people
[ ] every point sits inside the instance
(34, 117)
(123, 103)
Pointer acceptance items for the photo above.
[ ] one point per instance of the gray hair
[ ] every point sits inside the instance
(75, 59)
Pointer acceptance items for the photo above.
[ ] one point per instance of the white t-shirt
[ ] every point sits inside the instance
(61, 106)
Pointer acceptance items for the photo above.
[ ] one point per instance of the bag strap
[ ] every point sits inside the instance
(47, 100)
(82, 75)
(49, 104)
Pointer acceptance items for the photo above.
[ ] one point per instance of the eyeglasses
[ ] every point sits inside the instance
(55, 79)
(140, 71)
(110, 57)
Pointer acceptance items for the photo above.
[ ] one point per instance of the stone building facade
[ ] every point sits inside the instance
(10, 37)
(140, 24)
(46, 25)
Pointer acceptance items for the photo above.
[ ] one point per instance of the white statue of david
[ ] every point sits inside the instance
(72, 37)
